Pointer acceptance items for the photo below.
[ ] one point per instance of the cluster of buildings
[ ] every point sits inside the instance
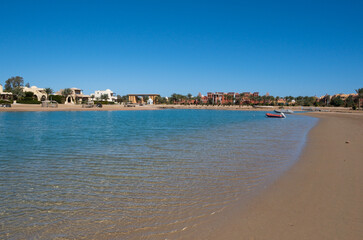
(247, 98)
(75, 95)
(224, 98)
(327, 98)
(341, 95)
(228, 98)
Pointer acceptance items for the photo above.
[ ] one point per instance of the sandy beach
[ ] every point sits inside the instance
(117, 107)
(320, 197)
(71, 107)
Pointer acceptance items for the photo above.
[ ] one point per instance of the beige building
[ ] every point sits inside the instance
(76, 96)
(344, 96)
(4, 95)
(38, 92)
(133, 97)
(281, 101)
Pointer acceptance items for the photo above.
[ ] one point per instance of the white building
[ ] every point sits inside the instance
(97, 96)
(150, 101)
(38, 92)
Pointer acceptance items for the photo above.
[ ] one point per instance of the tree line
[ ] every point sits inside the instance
(242, 99)
(16, 84)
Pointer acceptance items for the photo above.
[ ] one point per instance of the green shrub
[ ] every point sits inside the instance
(104, 102)
(58, 98)
(29, 95)
(5, 101)
(28, 101)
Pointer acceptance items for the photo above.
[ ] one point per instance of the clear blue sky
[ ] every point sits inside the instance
(281, 47)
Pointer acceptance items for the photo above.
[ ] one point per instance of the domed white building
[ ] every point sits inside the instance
(97, 96)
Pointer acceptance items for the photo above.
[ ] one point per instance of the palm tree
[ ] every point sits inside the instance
(173, 98)
(259, 99)
(18, 93)
(359, 91)
(145, 98)
(277, 100)
(66, 92)
(157, 99)
(241, 96)
(198, 100)
(48, 91)
(104, 97)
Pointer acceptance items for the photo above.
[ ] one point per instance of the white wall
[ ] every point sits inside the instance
(99, 93)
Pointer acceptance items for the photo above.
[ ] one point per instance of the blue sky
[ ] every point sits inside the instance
(281, 47)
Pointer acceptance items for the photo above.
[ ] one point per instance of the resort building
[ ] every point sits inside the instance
(5, 95)
(204, 99)
(325, 99)
(281, 101)
(135, 98)
(39, 93)
(246, 94)
(345, 96)
(216, 98)
(221, 98)
(249, 94)
(76, 96)
(231, 98)
(100, 95)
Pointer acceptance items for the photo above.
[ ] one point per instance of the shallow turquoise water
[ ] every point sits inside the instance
(134, 174)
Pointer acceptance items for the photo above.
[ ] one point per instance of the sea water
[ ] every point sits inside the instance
(135, 174)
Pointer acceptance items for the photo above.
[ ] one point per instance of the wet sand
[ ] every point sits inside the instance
(320, 197)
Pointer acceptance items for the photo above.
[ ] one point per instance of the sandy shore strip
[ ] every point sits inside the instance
(117, 107)
(72, 107)
(320, 197)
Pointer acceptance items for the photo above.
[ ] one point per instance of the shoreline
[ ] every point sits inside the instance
(319, 197)
(116, 107)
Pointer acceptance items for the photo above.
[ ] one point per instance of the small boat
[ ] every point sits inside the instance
(288, 111)
(270, 115)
